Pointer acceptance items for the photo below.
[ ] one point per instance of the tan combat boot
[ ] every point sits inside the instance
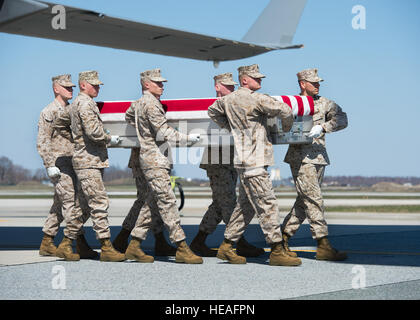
(162, 248)
(279, 256)
(245, 249)
(134, 252)
(108, 253)
(185, 255)
(47, 247)
(226, 252)
(325, 251)
(84, 250)
(286, 238)
(65, 250)
(198, 245)
(121, 240)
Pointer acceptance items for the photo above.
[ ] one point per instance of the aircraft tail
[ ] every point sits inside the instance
(276, 26)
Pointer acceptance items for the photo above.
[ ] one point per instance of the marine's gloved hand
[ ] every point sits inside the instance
(115, 140)
(53, 172)
(193, 137)
(315, 132)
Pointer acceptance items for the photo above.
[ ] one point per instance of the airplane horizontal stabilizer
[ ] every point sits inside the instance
(89, 27)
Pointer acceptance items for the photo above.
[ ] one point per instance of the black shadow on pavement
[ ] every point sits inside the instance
(373, 244)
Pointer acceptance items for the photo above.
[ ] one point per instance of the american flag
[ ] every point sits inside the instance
(300, 105)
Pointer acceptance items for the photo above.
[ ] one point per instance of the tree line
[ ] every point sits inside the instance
(361, 181)
(13, 174)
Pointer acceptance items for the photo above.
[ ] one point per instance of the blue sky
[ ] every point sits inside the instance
(371, 74)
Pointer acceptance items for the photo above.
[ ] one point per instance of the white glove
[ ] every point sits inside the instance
(193, 137)
(115, 140)
(53, 172)
(315, 132)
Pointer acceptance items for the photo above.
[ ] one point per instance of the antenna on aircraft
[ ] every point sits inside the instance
(216, 63)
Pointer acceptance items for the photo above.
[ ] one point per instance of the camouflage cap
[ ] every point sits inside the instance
(152, 75)
(91, 77)
(225, 78)
(252, 71)
(63, 80)
(310, 75)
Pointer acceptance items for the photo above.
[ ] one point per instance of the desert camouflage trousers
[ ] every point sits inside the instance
(256, 196)
(94, 191)
(309, 203)
(161, 199)
(223, 187)
(131, 218)
(69, 205)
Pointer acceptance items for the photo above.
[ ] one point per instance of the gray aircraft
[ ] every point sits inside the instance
(273, 30)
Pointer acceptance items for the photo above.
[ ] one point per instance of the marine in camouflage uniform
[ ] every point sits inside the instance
(307, 163)
(162, 248)
(245, 113)
(55, 146)
(91, 157)
(223, 179)
(154, 134)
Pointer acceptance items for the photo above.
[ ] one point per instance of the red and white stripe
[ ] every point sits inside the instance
(301, 105)
(176, 109)
(184, 109)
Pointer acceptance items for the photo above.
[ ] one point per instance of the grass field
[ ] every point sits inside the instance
(374, 209)
(45, 192)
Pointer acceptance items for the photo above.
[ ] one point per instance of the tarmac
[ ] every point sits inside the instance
(383, 262)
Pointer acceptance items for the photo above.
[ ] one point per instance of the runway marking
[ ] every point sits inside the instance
(387, 253)
(364, 252)
(1, 220)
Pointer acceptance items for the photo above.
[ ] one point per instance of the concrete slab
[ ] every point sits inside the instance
(214, 280)
(383, 248)
(406, 290)
(19, 257)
